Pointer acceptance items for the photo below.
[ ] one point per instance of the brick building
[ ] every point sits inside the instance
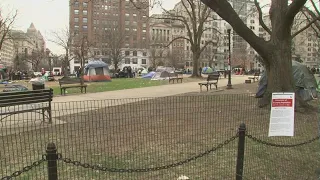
(126, 25)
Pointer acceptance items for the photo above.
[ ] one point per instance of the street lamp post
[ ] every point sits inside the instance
(229, 85)
(49, 59)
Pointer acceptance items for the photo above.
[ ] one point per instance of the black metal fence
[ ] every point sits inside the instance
(158, 138)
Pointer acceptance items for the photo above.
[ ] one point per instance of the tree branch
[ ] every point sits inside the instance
(224, 9)
(306, 27)
(313, 16)
(293, 10)
(206, 44)
(260, 17)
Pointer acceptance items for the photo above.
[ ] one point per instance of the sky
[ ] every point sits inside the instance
(53, 15)
(49, 15)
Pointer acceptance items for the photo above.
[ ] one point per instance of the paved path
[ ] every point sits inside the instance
(154, 91)
(73, 104)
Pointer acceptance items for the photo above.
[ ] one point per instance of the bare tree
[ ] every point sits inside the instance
(159, 51)
(276, 52)
(36, 57)
(194, 15)
(175, 58)
(81, 50)
(63, 38)
(111, 42)
(19, 62)
(6, 25)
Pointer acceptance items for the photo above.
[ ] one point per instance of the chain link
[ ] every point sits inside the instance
(282, 145)
(25, 169)
(101, 168)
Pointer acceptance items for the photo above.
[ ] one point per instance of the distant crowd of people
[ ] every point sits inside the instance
(314, 70)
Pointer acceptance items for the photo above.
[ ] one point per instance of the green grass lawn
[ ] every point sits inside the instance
(115, 84)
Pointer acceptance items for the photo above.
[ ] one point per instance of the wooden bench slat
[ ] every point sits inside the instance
(16, 102)
(67, 82)
(210, 81)
(24, 99)
(17, 97)
(4, 94)
(175, 76)
(29, 101)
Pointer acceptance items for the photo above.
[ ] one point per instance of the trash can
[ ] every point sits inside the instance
(37, 83)
(37, 86)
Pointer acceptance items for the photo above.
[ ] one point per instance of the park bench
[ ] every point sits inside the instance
(26, 101)
(255, 77)
(175, 76)
(67, 82)
(212, 79)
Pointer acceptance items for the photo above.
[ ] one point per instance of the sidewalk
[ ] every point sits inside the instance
(78, 103)
(147, 92)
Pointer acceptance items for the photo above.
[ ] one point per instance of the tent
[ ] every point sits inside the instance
(96, 70)
(144, 72)
(207, 70)
(160, 75)
(162, 68)
(149, 75)
(304, 80)
(3, 71)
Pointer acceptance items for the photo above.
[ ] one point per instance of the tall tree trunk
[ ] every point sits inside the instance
(279, 71)
(195, 69)
(116, 66)
(65, 63)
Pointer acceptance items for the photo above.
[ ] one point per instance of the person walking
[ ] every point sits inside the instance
(200, 70)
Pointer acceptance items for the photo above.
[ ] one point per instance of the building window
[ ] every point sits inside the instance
(85, 27)
(127, 15)
(127, 53)
(76, 19)
(76, 11)
(144, 53)
(134, 60)
(135, 53)
(143, 61)
(85, 4)
(76, 4)
(134, 29)
(127, 60)
(76, 27)
(134, 15)
(85, 20)
(85, 12)
(144, 30)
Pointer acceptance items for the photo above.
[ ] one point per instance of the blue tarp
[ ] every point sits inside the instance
(149, 75)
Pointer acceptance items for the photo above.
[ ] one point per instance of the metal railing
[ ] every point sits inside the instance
(158, 138)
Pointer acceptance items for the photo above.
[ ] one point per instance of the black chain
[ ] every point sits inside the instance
(26, 168)
(101, 168)
(282, 145)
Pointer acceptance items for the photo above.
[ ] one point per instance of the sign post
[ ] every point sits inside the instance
(282, 114)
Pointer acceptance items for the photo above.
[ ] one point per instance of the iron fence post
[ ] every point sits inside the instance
(240, 156)
(52, 158)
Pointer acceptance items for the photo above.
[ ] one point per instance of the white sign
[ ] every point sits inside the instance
(282, 114)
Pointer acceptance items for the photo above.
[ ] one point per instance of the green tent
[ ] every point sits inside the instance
(3, 70)
(207, 70)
